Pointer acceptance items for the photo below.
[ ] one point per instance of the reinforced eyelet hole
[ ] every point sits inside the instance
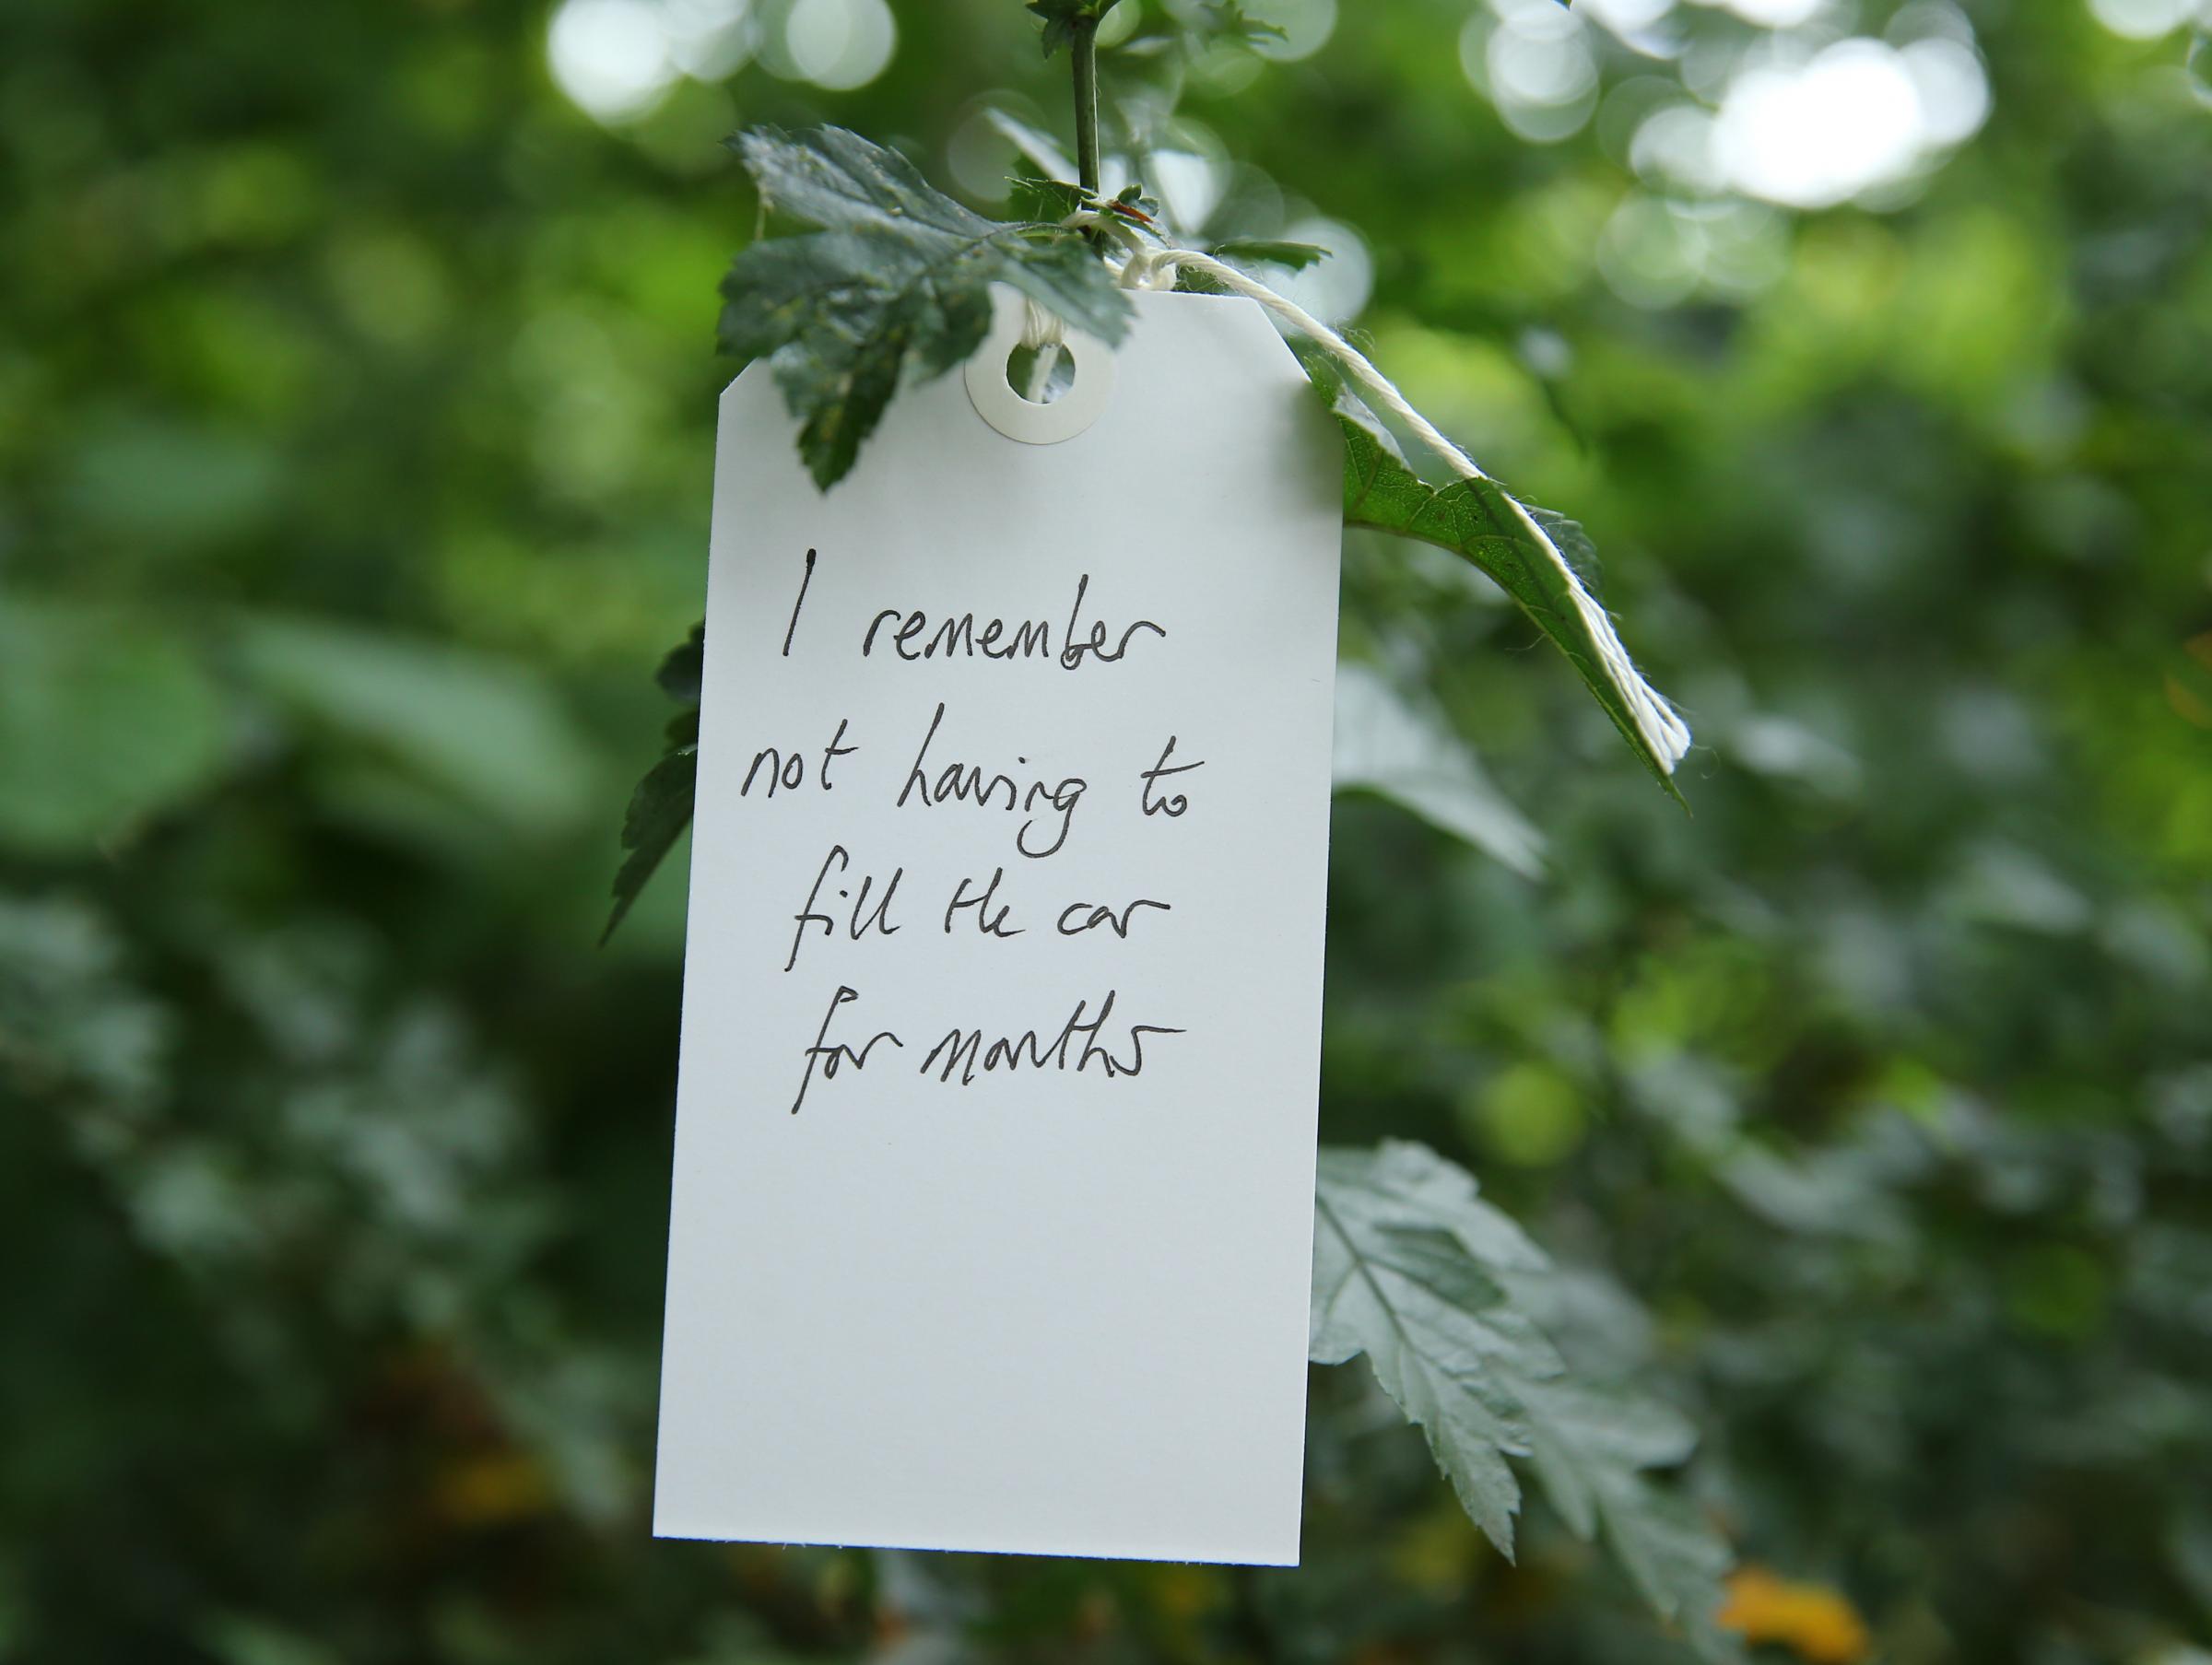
(1000, 377)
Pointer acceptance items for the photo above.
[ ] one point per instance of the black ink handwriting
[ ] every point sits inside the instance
(862, 919)
(966, 1050)
(1166, 804)
(830, 1057)
(913, 639)
(987, 921)
(804, 580)
(968, 782)
(787, 770)
(1092, 918)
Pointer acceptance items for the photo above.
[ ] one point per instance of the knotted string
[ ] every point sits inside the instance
(1044, 333)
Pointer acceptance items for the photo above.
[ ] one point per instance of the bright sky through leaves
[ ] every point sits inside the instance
(616, 60)
(1795, 116)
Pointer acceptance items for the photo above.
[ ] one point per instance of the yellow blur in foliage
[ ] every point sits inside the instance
(1812, 1620)
(494, 1490)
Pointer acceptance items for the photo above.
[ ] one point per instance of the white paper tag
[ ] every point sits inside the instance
(993, 1211)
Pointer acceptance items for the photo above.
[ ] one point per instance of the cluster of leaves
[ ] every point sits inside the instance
(894, 280)
(897, 275)
(1436, 1288)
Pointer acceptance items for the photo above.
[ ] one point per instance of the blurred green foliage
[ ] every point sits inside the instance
(356, 392)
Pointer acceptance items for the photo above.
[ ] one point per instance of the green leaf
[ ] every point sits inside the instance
(1247, 252)
(1413, 1269)
(1248, 29)
(1262, 251)
(1478, 521)
(1387, 745)
(1573, 543)
(659, 812)
(684, 667)
(1038, 149)
(1589, 1447)
(1046, 198)
(1394, 1279)
(477, 730)
(660, 809)
(171, 483)
(104, 723)
(1063, 19)
(897, 277)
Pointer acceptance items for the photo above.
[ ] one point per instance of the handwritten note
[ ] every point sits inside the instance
(994, 1149)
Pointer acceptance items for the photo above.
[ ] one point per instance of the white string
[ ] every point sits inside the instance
(1042, 328)
(1044, 333)
(1663, 733)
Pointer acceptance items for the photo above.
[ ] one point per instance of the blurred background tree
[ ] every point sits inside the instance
(356, 392)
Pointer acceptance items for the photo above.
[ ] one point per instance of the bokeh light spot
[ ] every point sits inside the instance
(1777, 14)
(840, 44)
(610, 57)
(2143, 19)
(1306, 24)
(1533, 59)
(1821, 133)
(710, 40)
(1336, 289)
(1953, 91)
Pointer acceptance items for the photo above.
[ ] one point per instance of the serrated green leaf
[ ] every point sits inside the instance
(1591, 1447)
(660, 809)
(1478, 521)
(896, 279)
(1413, 1269)
(1393, 1281)
(1586, 1437)
(1045, 198)
(834, 178)
(659, 812)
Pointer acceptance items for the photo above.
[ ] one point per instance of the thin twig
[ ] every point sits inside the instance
(1085, 55)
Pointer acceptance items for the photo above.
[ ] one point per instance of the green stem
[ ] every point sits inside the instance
(1085, 55)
